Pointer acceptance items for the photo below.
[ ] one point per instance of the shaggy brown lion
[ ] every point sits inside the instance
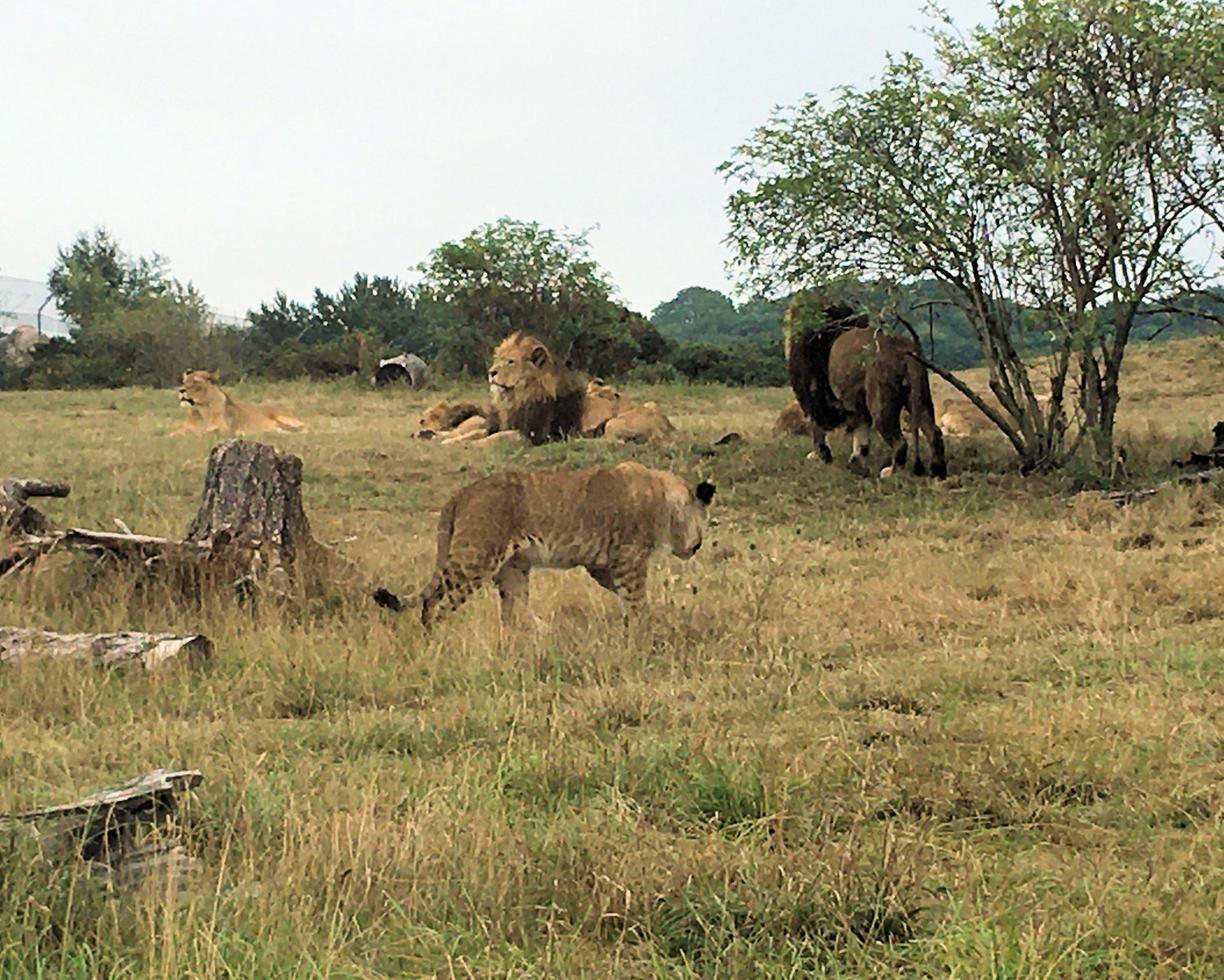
(210, 409)
(608, 521)
(861, 378)
(532, 392)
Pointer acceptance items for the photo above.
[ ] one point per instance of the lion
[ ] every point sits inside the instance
(446, 418)
(608, 521)
(210, 409)
(532, 392)
(640, 423)
(960, 417)
(792, 422)
(602, 402)
(846, 373)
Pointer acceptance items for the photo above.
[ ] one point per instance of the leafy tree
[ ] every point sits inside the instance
(515, 275)
(1048, 175)
(93, 278)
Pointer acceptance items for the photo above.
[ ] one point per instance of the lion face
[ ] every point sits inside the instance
(199, 387)
(688, 516)
(521, 362)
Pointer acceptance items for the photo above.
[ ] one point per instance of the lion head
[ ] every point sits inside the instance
(444, 416)
(603, 402)
(200, 388)
(533, 392)
(524, 369)
(688, 515)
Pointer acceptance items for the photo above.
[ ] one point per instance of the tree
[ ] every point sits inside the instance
(515, 275)
(1049, 176)
(94, 278)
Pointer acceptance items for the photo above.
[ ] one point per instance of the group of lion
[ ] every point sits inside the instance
(608, 521)
(533, 399)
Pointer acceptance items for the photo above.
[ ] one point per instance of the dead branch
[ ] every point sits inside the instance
(125, 833)
(151, 650)
(1124, 498)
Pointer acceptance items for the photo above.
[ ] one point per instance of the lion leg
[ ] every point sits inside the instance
(820, 445)
(885, 406)
(860, 446)
(939, 462)
(513, 582)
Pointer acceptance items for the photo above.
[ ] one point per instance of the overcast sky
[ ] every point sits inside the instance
(265, 146)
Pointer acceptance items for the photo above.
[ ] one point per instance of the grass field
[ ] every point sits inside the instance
(874, 728)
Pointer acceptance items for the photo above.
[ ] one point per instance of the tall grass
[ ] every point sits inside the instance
(873, 728)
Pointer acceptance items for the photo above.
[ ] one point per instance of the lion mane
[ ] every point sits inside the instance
(533, 393)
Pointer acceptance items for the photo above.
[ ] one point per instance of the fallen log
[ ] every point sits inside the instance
(1123, 498)
(150, 650)
(125, 833)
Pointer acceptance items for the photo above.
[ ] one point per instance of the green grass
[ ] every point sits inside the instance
(873, 728)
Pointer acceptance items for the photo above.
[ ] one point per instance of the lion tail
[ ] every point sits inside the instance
(922, 413)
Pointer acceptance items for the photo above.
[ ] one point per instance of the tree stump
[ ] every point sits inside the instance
(251, 512)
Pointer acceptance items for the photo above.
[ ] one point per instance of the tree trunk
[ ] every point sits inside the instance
(151, 650)
(251, 512)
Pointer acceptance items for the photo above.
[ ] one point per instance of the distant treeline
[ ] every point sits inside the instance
(705, 317)
(137, 324)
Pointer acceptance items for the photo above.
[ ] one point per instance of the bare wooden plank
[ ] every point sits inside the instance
(140, 793)
(151, 650)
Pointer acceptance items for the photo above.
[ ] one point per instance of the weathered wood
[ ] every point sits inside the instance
(252, 508)
(154, 791)
(1123, 498)
(17, 516)
(250, 530)
(125, 833)
(151, 650)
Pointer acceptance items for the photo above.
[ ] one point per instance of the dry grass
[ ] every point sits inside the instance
(873, 728)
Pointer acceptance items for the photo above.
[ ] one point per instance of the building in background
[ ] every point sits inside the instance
(28, 302)
(21, 301)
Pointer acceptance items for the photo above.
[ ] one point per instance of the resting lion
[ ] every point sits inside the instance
(448, 418)
(792, 422)
(608, 521)
(532, 392)
(210, 409)
(602, 402)
(960, 417)
(640, 423)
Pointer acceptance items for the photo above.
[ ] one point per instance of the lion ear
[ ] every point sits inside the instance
(705, 492)
(215, 375)
(539, 356)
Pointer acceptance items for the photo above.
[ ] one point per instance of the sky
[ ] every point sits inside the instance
(266, 146)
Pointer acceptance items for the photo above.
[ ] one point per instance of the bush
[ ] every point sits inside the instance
(746, 364)
(151, 344)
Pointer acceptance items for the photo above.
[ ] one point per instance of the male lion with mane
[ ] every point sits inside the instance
(608, 521)
(210, 409)
(532, 393)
